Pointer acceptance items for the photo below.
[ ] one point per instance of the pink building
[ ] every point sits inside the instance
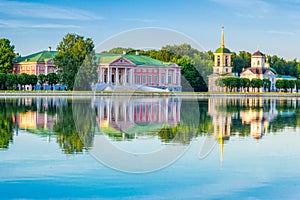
(37, 63)
(138, 70)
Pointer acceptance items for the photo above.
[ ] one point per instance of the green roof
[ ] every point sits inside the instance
(222, 50)
(286, 77)
(139, 60)
(42, 56)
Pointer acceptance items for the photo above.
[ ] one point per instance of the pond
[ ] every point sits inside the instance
(149, 148)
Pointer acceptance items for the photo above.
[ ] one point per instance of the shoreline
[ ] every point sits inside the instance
(142, 94)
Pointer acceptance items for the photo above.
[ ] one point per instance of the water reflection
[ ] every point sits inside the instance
(172, 120)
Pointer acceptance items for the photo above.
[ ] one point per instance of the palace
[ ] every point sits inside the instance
(136, 72)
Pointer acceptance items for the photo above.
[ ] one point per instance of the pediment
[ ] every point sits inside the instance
(121, 61)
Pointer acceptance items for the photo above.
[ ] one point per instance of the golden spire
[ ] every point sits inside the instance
(222, 43)
(221, 151)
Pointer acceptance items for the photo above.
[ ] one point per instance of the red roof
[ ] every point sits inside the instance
(258, 53)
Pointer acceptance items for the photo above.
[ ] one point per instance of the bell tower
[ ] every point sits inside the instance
(222, 58)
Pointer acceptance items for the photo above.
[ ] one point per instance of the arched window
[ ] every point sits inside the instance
(218, 61)
(258, 63)
(226, 61)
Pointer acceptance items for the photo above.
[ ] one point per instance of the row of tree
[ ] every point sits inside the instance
(18, 81)
(244, 84)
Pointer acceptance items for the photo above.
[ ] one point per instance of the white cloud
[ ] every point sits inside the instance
(138, 20)
(39, 10)
(20, 24)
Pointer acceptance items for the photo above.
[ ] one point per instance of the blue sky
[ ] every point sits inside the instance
(271, 26)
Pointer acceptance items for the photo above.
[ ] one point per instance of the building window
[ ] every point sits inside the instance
(226, 60)
(176, 79)
(169, 79)
(162, 79)
(155, 79)
(138, 79)
(149, 79)
(258, 63)
(144, 79)
(218, 61)
(121, 60)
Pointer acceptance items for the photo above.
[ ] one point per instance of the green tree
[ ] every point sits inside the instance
(87, 73)
(42, 78)
(72, 51)
(256, 83)
(291, 84)
(279, 84)
(231, 83)
(241, 61)
(33, 79)
(7, 55)
(2, 81)
(11, 81)
(244, 83)
(297, 82)
(266, 84)
(23, 79)
(52, 79)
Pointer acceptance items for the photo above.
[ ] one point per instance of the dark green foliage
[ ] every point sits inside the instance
(7, 55)
(72, 51)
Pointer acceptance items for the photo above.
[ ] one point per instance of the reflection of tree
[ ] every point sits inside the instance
(193, 123)
(6, 129)
(69, 138)
(65, 130)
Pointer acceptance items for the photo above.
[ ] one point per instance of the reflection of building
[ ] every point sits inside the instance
(137, 115)
(257, 117)
(35, 120)
(221, 121)
(128, 69)
(222, 67)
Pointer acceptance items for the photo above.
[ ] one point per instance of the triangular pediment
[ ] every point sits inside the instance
(121, 61)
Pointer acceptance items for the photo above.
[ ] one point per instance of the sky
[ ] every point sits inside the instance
(273, 27)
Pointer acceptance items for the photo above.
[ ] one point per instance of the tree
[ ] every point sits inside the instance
(244, 83)
(266, 84)
(256, 83)
(42, 78)
(7, 55)
(240, 61)
(297, 85)
(230, 82)
(23, 79)
(291, 85)
(72, 51)
(2, 80)
(52, 79)
(87, 73)
(33, 80)
(279, 84)
(11, 81)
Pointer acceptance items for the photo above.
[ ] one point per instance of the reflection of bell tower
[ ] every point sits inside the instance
(221, 122)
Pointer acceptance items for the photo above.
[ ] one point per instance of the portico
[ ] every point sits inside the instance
(116, 75)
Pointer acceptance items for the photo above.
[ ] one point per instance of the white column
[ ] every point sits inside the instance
(132, 76)
(108, 74)
(117, 76)
(103, 71)
(167, 77)
(159, 76)
(125, 76)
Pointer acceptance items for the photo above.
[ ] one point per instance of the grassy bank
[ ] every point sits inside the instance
(139, 93)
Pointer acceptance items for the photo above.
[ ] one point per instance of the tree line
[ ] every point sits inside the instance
(19, 81)
(244, 84)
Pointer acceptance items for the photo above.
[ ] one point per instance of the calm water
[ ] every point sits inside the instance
(149, 148)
